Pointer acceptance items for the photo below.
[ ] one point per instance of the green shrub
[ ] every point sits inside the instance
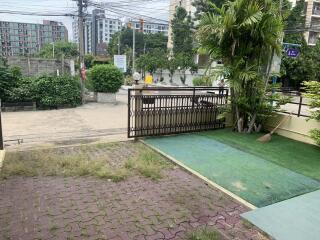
(53, 91)
(8, 81)
(202, 81)
(106, 78)
(312, 89)
(128, 81)
(24, 91)
(88, 82)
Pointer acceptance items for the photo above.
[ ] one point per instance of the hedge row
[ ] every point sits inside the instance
(48, 91)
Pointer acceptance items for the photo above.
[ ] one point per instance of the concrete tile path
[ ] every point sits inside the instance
(138, 208)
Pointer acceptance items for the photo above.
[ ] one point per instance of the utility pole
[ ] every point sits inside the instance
(133, 47)
(81, 5)
(52, 49)
(119, 43)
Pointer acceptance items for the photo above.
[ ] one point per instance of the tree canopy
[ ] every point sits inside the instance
(204, 6)
(182, 32)
(182, 56)
(144, 42)
(61, 48)
(244, 34)
(305, 67)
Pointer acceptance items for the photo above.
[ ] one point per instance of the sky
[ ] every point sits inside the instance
(156, 8)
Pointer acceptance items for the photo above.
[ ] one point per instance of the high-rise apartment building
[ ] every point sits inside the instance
(26, 39)
(312, 13)
(98, 31)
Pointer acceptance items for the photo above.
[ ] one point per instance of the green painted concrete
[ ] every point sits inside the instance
(294, 219)
(249, 176)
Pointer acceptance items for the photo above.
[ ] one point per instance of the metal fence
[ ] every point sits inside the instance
(163, 111)
(298, 105)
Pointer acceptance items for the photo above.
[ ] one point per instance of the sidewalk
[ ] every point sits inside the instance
(90, 122)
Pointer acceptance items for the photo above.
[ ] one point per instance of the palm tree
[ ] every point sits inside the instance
(244, 34)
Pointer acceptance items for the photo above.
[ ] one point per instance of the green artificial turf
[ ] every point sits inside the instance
(253, 178)
(296, 156)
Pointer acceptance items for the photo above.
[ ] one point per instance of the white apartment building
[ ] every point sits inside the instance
(98, 31)
(151, 27)
(100, 28)
(312, 13)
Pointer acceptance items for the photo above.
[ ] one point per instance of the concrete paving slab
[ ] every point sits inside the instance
(295, 219)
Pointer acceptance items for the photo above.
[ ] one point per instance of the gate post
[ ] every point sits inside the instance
(135, 111)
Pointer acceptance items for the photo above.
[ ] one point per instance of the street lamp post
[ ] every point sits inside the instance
(52, 49)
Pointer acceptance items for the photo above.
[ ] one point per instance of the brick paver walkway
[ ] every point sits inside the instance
(138, 208)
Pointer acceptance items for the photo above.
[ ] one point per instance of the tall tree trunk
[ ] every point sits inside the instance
(239, 120)
(252, 123)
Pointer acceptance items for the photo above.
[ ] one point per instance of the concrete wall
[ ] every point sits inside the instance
(296, 128)
(177, 75)
(38, 66)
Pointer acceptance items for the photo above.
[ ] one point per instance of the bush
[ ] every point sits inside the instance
(53, 91)
(8, 81)
(128, 81)
(24, 91)
(106, 78)
(312, 89)
(88, 82)
(202, 81)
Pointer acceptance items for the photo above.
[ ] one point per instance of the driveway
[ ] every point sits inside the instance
(90, 122)
(50, 206)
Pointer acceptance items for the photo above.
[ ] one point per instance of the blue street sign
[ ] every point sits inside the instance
(292, 53)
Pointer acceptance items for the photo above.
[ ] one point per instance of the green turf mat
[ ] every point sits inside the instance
(297, 156)
(253, 178)
(295, 219)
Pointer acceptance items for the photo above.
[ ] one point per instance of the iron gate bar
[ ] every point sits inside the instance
(162, 111)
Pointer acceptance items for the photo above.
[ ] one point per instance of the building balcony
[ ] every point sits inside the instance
(313, 38)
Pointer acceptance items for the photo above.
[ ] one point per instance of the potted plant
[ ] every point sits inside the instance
(106, 81)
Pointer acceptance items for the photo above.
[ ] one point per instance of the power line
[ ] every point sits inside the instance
(37, 13)
(124, 12)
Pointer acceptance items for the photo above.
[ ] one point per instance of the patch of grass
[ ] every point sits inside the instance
(53, 228)
(247, 224)
(52, 162)
(148, 163)
(297, 156)
(204, 234)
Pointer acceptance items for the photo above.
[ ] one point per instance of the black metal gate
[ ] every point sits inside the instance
(164, 111)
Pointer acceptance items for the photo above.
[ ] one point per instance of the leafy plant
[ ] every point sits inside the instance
(245, 35)
(8, 81)
(313, 93)
(202, 81)
(106, 78)
(61, 48)
(24, 91)
(182, 38)
(152, 61)
(88, 60)
(128, 81)
(53, 91)
(204, 234)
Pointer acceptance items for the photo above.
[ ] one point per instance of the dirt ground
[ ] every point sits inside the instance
(91, 122)
(52, 207)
